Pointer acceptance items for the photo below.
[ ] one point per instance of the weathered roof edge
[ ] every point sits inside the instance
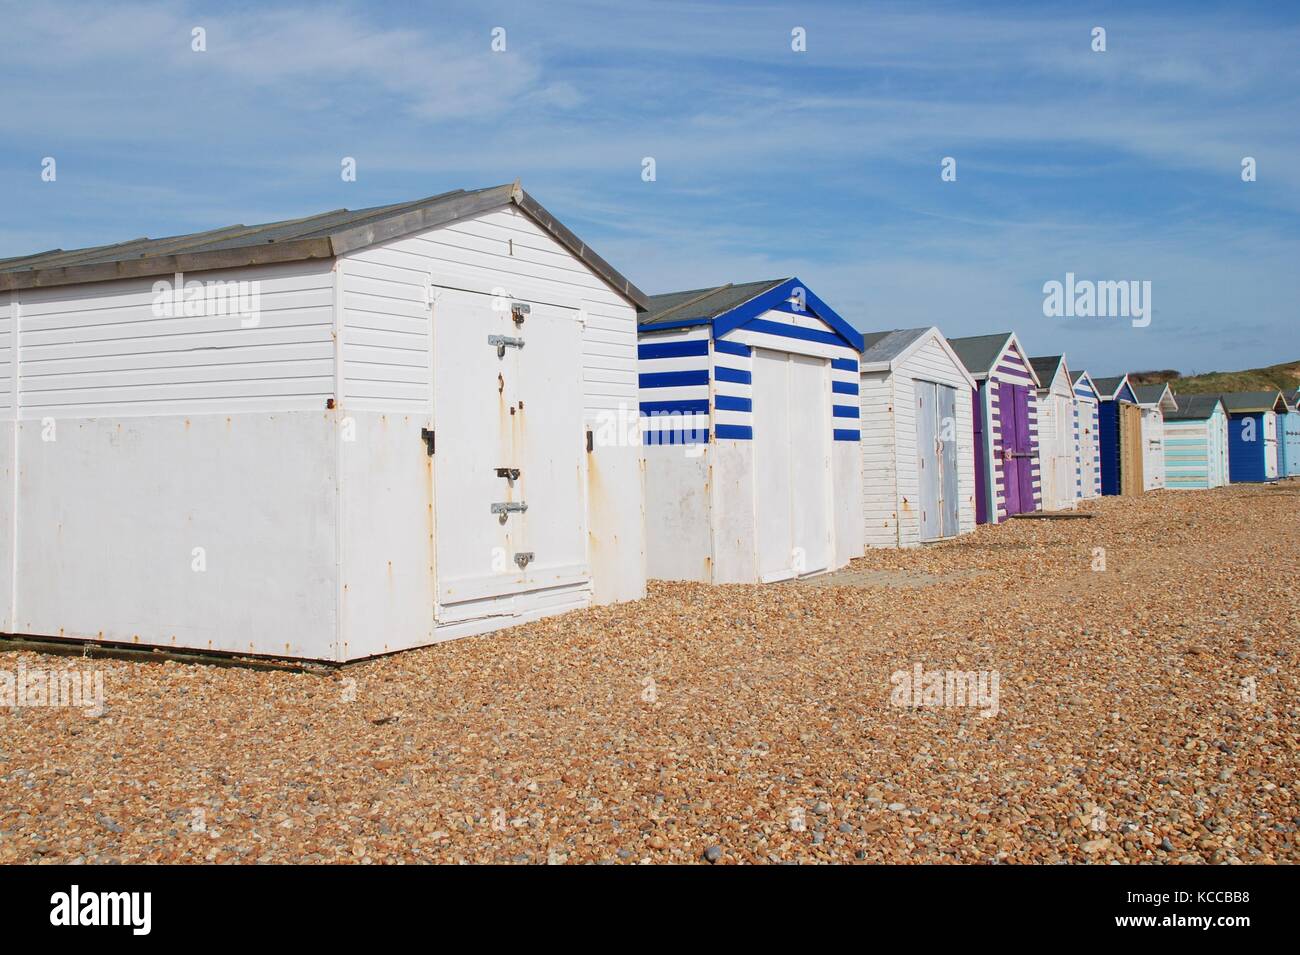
(924, 333)
(333, 244)
(1244, 406)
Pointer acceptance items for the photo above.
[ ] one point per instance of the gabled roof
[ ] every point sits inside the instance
(1046, 368)
(728, 307)
(1193, 407)
(1253, 402)
(699, 306)
(1161, 396)
(1109, 389)
(885, 351)
(980, 353)
(1078, 376)
(321, 236)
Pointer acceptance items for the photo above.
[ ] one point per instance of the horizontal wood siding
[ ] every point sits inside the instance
(1187, 455)
(502, 253)
(109, 349)
(879, 459)
(674, 387)
(6, 355)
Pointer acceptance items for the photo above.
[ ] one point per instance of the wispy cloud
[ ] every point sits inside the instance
(823, 164)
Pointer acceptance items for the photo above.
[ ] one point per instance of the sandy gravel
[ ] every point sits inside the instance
(1147, 713)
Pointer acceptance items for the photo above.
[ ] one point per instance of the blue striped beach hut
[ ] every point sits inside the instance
(749, 405)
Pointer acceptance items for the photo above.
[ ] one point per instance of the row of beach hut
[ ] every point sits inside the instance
(362, 431)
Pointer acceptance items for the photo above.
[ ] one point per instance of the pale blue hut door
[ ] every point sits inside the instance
(928, 460)
(947, 398)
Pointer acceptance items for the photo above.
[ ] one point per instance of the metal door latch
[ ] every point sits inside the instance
(518, 310)
(505, 508)
(427, 436)
(510, 474)
(501, 342)
(523, 558)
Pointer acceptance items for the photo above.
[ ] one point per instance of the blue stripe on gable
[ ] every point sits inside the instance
(732, 403)
(673, 379)
(673, 349)
(845, 411)
(733, 375)
(733, 432)
(844, 364)
(775, 298)
(790, 331)
(842, 434)
(685, 406)
(844, 387)
(732, 348)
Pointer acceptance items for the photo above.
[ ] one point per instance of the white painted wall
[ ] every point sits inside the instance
(679, 544)
(879, 452)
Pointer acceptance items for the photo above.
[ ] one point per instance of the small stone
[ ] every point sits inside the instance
(713, 854)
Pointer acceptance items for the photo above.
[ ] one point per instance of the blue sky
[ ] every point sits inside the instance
(1123, 165)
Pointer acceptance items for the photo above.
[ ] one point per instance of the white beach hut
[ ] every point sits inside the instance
(918, 452)
(325, 438)
(1058, 433)
(1155, 401)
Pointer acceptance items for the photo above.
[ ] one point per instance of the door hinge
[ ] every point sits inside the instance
(501, 342)
(524, 558)
(591, 444)
(427, 436)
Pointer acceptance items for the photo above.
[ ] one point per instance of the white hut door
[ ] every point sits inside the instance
(791, 394)
(1062, 463)
(508, 479)
(810, 434)
(928, 467)
(550, 448)
(1153, 468)
(773, 480)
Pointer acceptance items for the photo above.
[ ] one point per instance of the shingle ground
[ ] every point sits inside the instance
(1147, 712)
